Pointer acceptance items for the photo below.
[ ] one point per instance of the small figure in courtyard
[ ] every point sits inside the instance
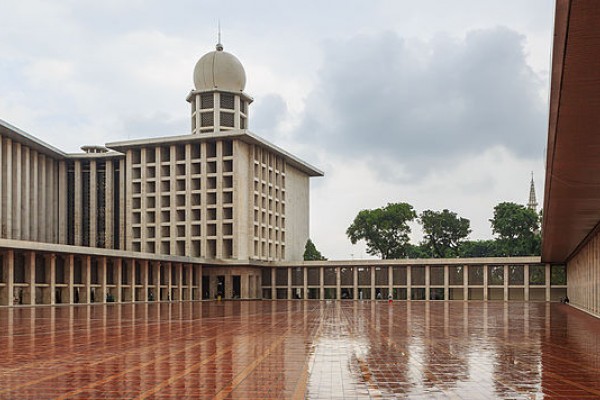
(390, 298)
(379, 297)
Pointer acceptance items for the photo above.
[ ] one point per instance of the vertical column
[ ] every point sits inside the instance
(118, 270)
(26, 224)
(446, 282)
(51, 270)
(156, 276)
(526, 282)
(17, 192)
(8, 272)
(102, 271)
(273, 284)
(408, 282)
(390, 280)
(127, 201)
(109, 197)
(321, 283)
(428, 282)
(180, 282)
(132, 283)
(169, 281)
(190, 280)
(188, 207)
(43, 201)
(465, 282)
(506, 282)
(7, 195)
(87, 279)
(355, 283)
(305, 282)
(62, 202)
(547, 271)
(30, 277)
(485, 282)
(69, 272)
(338, 283)
(199, 280)
(35, 230)
(124, 213)
(289, 284)
(77, 206)
(372, 271)
(144, 266)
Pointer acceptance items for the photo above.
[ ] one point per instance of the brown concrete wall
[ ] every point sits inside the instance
(583, 272)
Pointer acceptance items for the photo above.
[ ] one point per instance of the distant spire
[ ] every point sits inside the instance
(219, 44)
(532, 205)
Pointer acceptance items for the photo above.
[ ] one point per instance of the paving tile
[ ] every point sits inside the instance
(300, 349)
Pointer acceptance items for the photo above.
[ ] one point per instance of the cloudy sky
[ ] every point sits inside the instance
(441, 104)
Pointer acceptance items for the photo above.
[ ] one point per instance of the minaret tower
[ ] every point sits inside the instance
(218, 101)
(532, 205)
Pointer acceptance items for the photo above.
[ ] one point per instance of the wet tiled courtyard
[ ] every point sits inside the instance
(300, 349)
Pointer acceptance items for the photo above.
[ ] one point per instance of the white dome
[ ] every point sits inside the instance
(219, 70)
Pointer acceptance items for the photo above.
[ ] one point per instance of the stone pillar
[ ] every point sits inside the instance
(465, 282)
(144, 266)
(446, 282)
(30, 278)
(179, 281)
(131, 270)
(169, 280)
(273, 284)
(354, 283)
(118, 270)
(289, 284)
(305, 282)
(548, 273)
(390, 280)
(526, 282)
(156, 276)
(409, 282)
(86, 271)
(506, 283)
(372, 271)
(321, 283)
(427, 282)
(102, 271)
(338, 283)
(485, 282)
(198, 273)
(8, 272)
(50, 297)
(69, 272)
(93, 215)
(190, 281)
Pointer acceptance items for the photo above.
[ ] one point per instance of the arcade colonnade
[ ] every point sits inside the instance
(56, 274)
(518, 278)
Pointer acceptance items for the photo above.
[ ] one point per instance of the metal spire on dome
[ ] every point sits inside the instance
(219, 45)
(532, 205)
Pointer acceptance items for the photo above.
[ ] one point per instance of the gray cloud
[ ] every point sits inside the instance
(414, 106)
(267, 113)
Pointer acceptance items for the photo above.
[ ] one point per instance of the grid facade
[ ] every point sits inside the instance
(268, 205)
(182, 199)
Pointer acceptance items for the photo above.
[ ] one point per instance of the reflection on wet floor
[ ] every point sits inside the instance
(300, 349)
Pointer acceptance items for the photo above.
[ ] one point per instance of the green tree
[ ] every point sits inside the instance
(384, 229)
(517, 229)
(311, 253)
(479, 248)
(418, 251)
(443, 232)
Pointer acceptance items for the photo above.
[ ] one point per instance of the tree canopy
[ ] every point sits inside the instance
(517, 228)
(443, 232)
(311, 253)
(385, 229)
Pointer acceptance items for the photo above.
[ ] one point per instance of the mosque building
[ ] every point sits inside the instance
(219, 212)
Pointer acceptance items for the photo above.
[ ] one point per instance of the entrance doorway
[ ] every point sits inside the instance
(205, 287)
(237, 286)
(221, 286)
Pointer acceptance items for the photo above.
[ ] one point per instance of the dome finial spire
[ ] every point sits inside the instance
(219, 45)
